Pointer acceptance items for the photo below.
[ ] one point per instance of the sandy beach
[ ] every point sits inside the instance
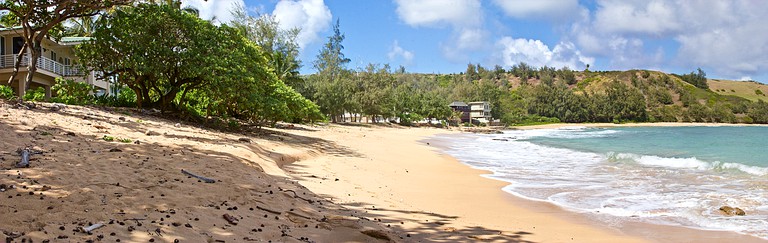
(121, 170)
(407, 183)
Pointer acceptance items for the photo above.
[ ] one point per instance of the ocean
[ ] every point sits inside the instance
(661, 175)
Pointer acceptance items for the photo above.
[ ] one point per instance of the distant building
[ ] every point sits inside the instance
(458, 106)
(480, 111)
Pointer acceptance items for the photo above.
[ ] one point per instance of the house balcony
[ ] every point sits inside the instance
(43, 63)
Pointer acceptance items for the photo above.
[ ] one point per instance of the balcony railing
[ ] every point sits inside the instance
(44, 63)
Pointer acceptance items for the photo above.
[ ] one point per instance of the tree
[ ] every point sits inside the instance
(187, 64)
(37, 18)
(178, 52)
(698, 79)
(376, 84)
(471, 74)
(280, 45)
(82, 26)
(330, 65)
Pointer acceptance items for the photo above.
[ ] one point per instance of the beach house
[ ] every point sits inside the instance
(480, 111)
(461, 108)
(57, 60)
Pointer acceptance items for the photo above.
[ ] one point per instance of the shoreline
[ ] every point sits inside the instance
(641, 124)
(402, 180)
(643, 230)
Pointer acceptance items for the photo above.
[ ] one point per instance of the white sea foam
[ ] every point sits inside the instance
(675, 191)
(688, 163)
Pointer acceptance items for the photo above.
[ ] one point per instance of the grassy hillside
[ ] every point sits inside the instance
(746, 89)
(621, 96)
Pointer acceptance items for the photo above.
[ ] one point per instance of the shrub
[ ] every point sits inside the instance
(407, 119)
(72, 93)
(6, 92)
(37, 94)
(124, 98)
(645, 74)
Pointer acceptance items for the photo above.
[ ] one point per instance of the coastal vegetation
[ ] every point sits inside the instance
(247, 70)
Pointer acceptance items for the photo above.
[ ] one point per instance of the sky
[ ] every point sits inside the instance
(728, 39)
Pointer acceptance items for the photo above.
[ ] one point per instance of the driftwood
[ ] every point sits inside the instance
(24, 158)
(92, 227)
(206, 180)
(25, 153)
(296, 195)
(269, 210)
(231, 219)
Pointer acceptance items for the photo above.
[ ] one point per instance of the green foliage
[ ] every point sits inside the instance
(408, 119)
(759, 92)
(584, 83)
(108, 138)
(280, 45)
(698, 79)
(190, 65)
(758, 112)
(6, 92)
(558, 101)
(37, 94)
(72, 93)
(664, 114)
(169, 64)
(645, 74)
(567, 76)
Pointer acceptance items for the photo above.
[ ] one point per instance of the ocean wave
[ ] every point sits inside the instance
(685, 163)
(566, 133)
(684, 191)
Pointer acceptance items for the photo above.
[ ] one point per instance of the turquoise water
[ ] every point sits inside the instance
(743, 145)
(661, 175)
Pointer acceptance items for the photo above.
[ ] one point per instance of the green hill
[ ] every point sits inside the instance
(525, 95)
(750, 90)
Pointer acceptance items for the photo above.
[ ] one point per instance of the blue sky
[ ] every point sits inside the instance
(727, 38)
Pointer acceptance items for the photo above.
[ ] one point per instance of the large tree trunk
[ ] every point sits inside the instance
(17, 63)
(34, 54)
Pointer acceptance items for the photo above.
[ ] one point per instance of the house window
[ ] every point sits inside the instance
(66, 61)
(2, 45)
(18, 42)
(53, 55)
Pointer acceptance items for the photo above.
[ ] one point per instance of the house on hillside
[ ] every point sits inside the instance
(480, 111)
(463, 108)
(57, 60)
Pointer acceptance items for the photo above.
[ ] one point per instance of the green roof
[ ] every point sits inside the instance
(10, 28)
(74, 39)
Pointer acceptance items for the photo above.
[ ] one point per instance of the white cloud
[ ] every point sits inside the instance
(549, 9)
(311, 16)
(398, 52)
(737, 51)
(536, 53)
(220, 10)
(432, 13)
(463, 17)
(654, 17)
(725, 37)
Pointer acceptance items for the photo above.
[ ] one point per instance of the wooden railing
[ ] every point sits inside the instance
(7, 61)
